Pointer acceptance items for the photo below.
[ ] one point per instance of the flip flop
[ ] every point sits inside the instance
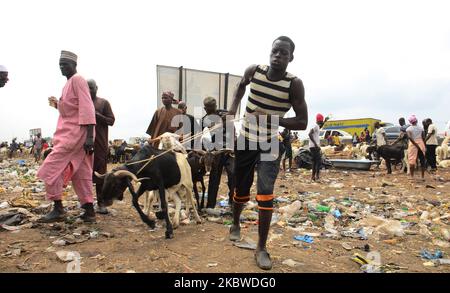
(245, 245)
(359, 259)
(305, 238)
(263, 260)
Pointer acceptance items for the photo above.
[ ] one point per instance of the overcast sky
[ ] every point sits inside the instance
(380, 59)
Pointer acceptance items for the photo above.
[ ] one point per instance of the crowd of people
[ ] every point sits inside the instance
(80, 143)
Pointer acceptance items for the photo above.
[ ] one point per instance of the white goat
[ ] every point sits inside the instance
(444, 164)
(180, 192)
(327, 150)
(442, 150)
(171, 141)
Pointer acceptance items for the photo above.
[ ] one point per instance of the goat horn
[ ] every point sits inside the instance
(100, 175)
(123, 173)
(201, 152)
(222, 151)
(142, 179)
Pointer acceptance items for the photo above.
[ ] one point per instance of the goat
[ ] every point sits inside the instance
(392, 154)
(167, 173)
(444, 164)
(198, 169)
(442, 150)
(201, 164)
(171, 141)
(328, 150)
(177, 197)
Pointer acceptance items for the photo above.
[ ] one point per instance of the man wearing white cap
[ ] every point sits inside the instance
(3, 75)
(73, 144)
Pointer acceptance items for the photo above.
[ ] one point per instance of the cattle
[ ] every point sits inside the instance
(156, 170)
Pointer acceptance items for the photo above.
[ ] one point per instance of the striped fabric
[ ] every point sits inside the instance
(270, 97)
(68, 55)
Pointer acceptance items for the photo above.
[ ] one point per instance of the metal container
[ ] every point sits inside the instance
(352, 164)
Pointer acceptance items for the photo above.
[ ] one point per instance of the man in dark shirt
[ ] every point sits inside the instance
(104, 117)
(189, 130)
(403, 139)
(162, 119)
(221, 160)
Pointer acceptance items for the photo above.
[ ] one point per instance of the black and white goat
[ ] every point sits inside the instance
(167, 174)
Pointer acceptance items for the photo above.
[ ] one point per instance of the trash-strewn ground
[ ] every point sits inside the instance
(317, 227)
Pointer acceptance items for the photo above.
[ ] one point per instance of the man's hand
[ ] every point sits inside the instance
(258, 113)
(152, 141)
(53, 102)
(89, 145)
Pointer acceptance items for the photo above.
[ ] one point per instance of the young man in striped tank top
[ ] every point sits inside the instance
(273, 91)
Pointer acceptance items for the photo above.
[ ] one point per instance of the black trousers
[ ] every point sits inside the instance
(316, 159)
(431, 156)
(222, 161)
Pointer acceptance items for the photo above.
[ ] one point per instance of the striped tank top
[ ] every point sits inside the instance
(270, 97)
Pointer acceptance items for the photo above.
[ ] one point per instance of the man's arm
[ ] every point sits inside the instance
(151, 127)
(297, 98)
(412, 141)
(399, 137)
(429, 135)
(86, 112)
(311, 132)
(107, 117)
(240, 90)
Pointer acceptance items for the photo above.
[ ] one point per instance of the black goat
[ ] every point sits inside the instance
(198, 170)
(162, 173)
(392, 154)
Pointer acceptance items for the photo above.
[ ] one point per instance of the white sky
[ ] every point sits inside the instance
(380, 59)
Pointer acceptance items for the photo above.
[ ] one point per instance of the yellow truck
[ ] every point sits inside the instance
(353, 125)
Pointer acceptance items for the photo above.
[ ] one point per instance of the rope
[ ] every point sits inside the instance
(147, 161)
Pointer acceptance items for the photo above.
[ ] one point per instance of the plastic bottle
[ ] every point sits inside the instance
(321, 208)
